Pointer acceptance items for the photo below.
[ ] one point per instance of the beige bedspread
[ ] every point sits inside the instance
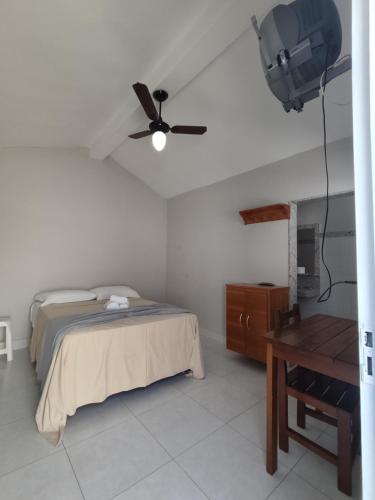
(94, 362)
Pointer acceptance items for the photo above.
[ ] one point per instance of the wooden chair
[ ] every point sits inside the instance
(286, 317)
(329, 400)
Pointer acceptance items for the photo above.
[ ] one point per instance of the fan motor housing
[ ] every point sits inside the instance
(159, 125)
(160, 95)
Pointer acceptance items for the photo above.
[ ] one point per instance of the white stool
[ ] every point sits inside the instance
(6, 347)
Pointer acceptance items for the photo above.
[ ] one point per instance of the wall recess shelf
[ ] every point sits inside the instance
(268, 213)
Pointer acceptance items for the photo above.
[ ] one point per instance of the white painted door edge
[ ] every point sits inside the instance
(363, 75)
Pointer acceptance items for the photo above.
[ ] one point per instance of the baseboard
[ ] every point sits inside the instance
(20, 344)
(212, 335)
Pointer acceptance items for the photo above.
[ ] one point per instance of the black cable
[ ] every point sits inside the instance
(322, 297)
(327, 292)
(346, 282)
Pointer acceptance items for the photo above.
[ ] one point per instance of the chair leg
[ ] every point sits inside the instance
(356, 426)
(344, 453)
(283, 407)
(301, 415)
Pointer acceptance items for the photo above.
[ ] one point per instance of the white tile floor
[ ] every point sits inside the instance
(180, 439)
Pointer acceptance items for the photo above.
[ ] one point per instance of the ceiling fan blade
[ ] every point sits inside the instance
(139, 135)
(188, 129)
(145, 99)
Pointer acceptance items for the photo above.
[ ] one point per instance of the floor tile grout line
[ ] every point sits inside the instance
(291, 470)
(202, 438)
(30, 463)
(68, 446)
(151, 434)
(191, 479)
(288, 474)
(280, 483)
(250, 408)
(256, 444)
(148, 432)
(264, 451)
(312, 485)
(209, 411)
(74, 472)
(154, 407)
(200, 441)
(295, 465)
(247, 439)
(231, 384)
(304, 479)
(191, 399)
(152, 472)
(14, 421)
(140, 480)
(186, 449)
(182, 393)
(204, 408)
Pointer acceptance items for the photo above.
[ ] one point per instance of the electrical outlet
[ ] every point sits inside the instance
(368, 357)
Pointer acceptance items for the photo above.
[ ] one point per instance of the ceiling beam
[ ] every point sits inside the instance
(219, 26)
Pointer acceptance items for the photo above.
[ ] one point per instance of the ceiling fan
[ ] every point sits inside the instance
(158, 128)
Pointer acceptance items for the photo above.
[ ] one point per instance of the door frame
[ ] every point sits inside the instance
(363, 85)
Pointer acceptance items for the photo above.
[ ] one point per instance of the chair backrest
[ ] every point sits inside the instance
(288, 317)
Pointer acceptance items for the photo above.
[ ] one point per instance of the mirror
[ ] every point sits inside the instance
(308, 261)
(308, 249)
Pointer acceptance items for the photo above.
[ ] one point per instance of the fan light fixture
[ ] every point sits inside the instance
(158, 128)
(159, 140)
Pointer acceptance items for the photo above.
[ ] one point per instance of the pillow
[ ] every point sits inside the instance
(42, 296)
(104, 292)
(62, 296)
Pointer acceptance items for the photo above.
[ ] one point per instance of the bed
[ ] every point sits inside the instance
(96, 361)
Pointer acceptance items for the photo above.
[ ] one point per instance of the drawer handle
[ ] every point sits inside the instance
(247, 321)
(241, 319)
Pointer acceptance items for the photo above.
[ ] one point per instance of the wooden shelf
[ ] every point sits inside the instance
(269, 213)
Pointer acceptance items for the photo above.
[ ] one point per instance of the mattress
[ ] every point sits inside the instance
(95, 362)
(34, 308)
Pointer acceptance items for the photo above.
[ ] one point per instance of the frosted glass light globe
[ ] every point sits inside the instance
(159, 140)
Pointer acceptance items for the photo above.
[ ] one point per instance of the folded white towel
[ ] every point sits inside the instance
(119, 299)
(111, 306)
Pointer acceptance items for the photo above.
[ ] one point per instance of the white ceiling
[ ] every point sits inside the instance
(68, 66)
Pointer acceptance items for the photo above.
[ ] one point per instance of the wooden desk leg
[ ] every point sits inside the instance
(282, 398)
(271, 411)
(344, 453)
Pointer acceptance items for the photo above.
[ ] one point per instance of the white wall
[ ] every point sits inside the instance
(208, 245)
(339, 254)
(67, 220)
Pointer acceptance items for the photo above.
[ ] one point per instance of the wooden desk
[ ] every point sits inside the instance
(322, 343)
